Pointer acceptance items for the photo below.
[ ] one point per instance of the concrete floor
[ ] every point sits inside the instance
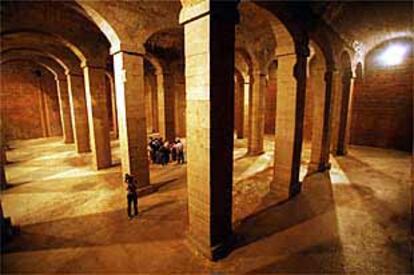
(356, 218)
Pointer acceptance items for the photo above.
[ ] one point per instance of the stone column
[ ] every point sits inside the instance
(321, 126)
(255, 142)
(291, 89)
(336, 103)
(64, 108)
(166, 105)
(154, 102)
(113, 104)
(347, 82)
(43, 118)
(148, 104)
(246, 110)
(3, 159)
(239, 105)
(98, 116)
(78, 112)
(130, 100)
(209, 28)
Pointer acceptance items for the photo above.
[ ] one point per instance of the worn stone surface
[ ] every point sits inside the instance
(355, 219)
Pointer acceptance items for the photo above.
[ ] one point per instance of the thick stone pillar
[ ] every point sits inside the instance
(113, 104)
(255, 142)
(209, 28)
(78, 112)
(166, 104)
(3, 159)
(160, 103)
(336, 110)
(96, 102)
(148, 104)
(130, 99)
(291, 89)
(343, 130)
(246, 110)
(42, 108)
(64, 109)
(321, 126)
(154, 102)
(239, 108)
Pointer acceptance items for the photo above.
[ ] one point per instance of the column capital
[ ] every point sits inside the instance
(221, 10)
(302, 48)
(126, 52)
(71, 74)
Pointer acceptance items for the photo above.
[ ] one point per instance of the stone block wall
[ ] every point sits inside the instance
(20, 103)
(383, 105)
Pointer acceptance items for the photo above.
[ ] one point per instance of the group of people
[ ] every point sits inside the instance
(161, 152)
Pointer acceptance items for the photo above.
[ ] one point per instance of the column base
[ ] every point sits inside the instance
(213, 253)
(249, 153)
(318, 167)
(146, 190)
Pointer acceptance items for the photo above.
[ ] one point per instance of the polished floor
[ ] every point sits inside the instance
(355, 218)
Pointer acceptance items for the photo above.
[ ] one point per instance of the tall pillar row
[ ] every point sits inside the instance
(209, 57)
(64, 109)
(78, 112)
(291, 88)
(255, 142)
(98, 120)
(130, 99)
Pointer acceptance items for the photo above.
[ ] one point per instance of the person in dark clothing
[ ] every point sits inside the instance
(132, 195)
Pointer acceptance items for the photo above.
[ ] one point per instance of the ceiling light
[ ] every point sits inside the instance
(393, 55)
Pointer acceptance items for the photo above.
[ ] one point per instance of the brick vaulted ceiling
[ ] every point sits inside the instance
(370, 22)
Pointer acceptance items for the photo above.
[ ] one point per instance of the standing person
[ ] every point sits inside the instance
(165, 149)
(132, 195)
(179, 146)
(173, 151)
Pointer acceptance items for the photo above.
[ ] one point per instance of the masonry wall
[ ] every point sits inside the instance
(20, 103)
(383, 105)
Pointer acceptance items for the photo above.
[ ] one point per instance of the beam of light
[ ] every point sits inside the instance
(393, 55)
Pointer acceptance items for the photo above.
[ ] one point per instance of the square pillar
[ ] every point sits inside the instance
(64, 108)
(166, 104)
(255, 142)
(344, 113)
(96, 102)
(130, 99)
(78, 112)
(113, 104)
(246, 110)
(239, 108)
(209, 28)
(291, 89)
(321, 125)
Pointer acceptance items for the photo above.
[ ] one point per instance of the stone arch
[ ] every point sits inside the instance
(16, 59)
(59, 68)
(44, 36)
(35, 52)
(110, 33)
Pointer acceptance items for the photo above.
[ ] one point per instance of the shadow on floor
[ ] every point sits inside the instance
(102, 229)
(305, 208)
